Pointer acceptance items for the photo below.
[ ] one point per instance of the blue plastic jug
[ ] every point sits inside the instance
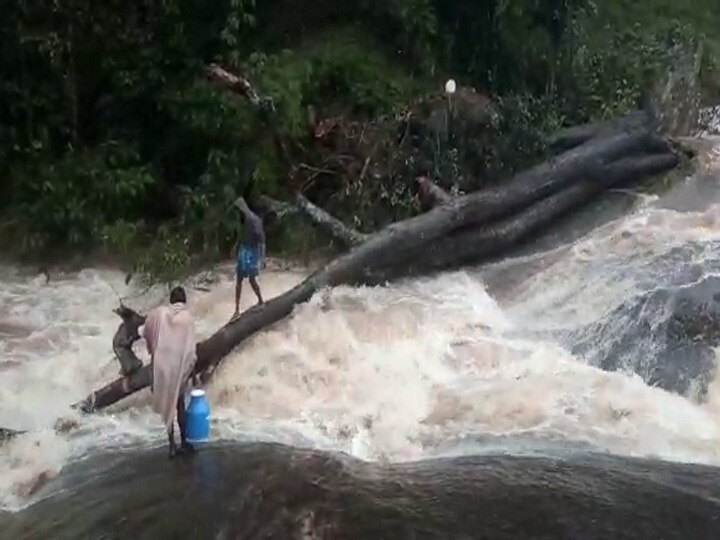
(197, 417)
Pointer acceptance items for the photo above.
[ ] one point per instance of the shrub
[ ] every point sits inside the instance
(71, 200)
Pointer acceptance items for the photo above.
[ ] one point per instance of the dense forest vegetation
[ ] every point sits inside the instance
(112, 138)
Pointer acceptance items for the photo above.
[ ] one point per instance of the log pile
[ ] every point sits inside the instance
(454, 231)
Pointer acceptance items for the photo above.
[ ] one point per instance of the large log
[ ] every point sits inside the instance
(451, 231)
(125, 336)
(570, 137)
(213, 349)
(593, 166)
(412, 235)
(469, 245)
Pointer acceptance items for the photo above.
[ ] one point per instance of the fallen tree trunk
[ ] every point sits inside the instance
(571, 137)
(210, 351)
(450, 230)
(456, 231)
(412, 235)
(467, 246)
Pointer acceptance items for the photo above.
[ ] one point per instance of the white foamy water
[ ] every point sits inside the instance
(419, 368)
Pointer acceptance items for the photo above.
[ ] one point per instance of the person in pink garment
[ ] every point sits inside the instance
(169, 333)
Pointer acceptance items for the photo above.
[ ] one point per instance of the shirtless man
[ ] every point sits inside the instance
(249, 253)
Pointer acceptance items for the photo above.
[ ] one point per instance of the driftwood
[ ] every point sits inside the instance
(454, 231)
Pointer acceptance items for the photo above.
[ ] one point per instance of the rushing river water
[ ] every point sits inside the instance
(444, 407)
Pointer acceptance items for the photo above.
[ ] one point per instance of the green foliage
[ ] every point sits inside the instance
(199, 108)
(297, 239)
(603, 80)
(376, 202)
(208, 220)
(109, 132)
(518, 138)
(71, 200)
(339, 71)
(121, 237)
(349, 67)
(168, 258)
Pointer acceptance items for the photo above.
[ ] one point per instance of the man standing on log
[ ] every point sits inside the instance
(169, 333)
(249, 253)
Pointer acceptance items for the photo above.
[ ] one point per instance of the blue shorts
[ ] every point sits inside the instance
(248, 261)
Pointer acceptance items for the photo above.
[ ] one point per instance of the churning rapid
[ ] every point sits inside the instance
(504, 359)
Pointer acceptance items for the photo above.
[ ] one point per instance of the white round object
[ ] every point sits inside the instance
(197, 392)
(450, 86)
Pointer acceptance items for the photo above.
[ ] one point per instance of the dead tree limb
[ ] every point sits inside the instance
(263, 104)
(277, 209)
(236, 84)
(336, 229)
(431, 195)
(345, 235)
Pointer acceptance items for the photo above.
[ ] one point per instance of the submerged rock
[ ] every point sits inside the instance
(667, 336)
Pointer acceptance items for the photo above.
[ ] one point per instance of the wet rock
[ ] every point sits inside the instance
(667, 336)
(264, 491)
